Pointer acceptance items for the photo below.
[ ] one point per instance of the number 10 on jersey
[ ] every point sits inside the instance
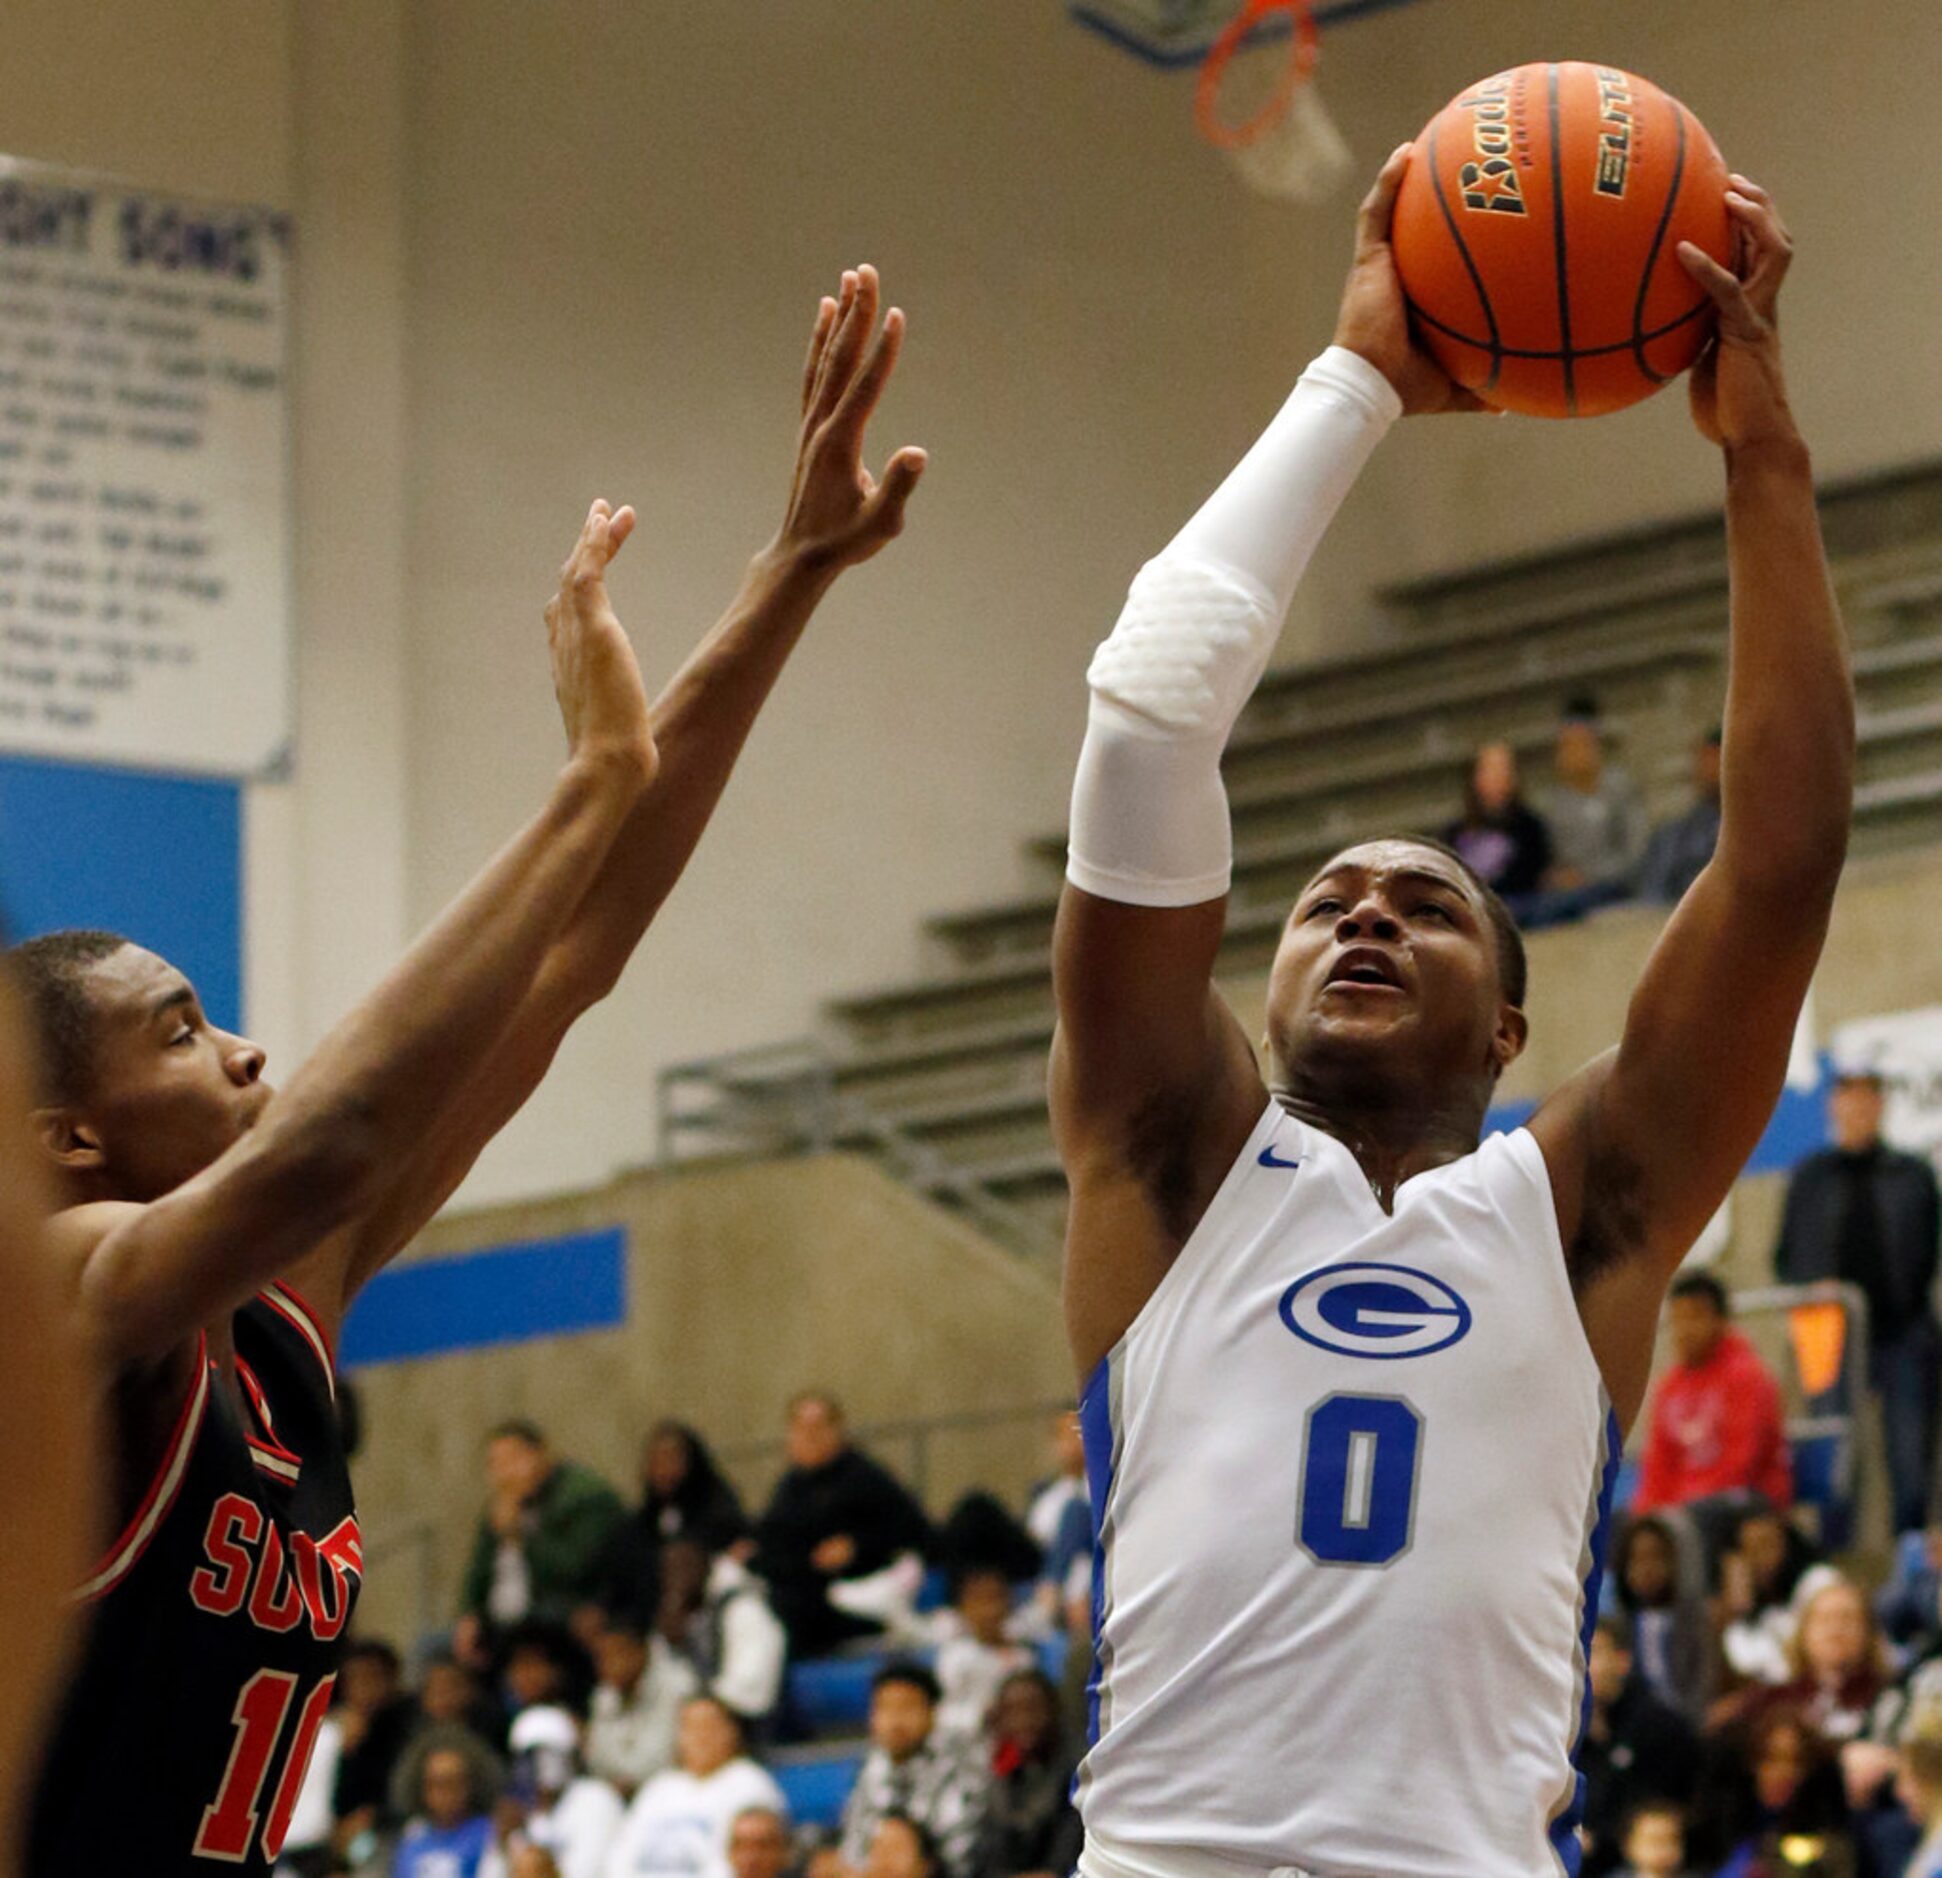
(1360, 1458)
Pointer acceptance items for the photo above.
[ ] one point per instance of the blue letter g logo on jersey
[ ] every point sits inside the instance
(1383, 1311)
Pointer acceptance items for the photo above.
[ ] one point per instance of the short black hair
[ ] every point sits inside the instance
(823, 1400)
(928, 1850)
(1513, 966)
(1703, 1285)
(374, 1650)
(519, 1429)
(912, 1675)
(52, 972)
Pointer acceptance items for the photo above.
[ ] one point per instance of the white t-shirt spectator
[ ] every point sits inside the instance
(753, 1646)
(970, 1674)
(630, 1739)
(678, 1824)
(577, 1832)
(314, 1816)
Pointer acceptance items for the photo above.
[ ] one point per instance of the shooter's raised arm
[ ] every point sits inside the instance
(1659, 1131)
(1154, 1088)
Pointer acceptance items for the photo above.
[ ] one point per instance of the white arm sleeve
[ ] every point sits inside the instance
(1149, 814)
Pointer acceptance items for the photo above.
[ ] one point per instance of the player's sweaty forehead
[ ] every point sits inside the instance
(1388, 864)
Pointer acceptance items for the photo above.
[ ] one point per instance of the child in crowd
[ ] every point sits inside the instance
(1761, 1573)
(678, 1825)
(901, 1848)
(1661, 1589)
(451, 1833)
(974, 1662)
(1655, 1841)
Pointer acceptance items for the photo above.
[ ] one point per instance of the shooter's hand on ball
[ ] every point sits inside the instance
(1374, 320)
(839, 514)
(595, 675)
(1739, 395)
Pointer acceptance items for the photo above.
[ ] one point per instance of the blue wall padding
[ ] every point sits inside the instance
(159, 858)
(510, 1294)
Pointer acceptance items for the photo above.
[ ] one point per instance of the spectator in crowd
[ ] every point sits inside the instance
(914, 1769)
(485, 1772)
(715, 1615)
(902, 1848)
(1864, 1213)
(1030, 1823)
(1661, 1589)
(684, 1495)
(678, 1824)
(310, 1839)
(450, 1832)
(1766, 1563)
(1910, 1603)
(1635, 1750)
(1060, 1519)
(836, 1516)
(1678, 850)
(824, 1858)
(1503, 841)
(1919, 1788)
(450, 1695)
(1715, 1426)
(541, 1539)
(643, 1686)
(1596, 815)
(543, 1664)
(1782, 1781)
(973, 1662)
(1839, 1665)
(374, 1719)
(560, 1809)
(1655, 1841)
(758, 1843)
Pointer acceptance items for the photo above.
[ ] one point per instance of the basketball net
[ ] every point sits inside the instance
(1258, 103)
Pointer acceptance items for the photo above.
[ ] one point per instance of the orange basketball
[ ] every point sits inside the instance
(1537, 236)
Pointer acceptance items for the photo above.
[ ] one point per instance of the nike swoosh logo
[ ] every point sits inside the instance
(1271, 1159)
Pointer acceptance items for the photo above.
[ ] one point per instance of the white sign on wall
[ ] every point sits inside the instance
(144, 477)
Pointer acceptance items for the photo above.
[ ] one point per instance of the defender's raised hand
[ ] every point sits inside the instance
(838, 513)
(595, 674)
(1739, 394)
(1374, 320)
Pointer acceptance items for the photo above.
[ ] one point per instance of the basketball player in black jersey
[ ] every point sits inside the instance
(214, 1236)
(45, 1489)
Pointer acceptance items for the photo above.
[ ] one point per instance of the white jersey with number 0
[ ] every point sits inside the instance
(1351, 1474)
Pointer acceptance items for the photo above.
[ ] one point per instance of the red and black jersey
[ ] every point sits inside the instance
(215, 1624)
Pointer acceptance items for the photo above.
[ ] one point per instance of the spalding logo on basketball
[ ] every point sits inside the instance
(1537, 235)
(1374, 1310)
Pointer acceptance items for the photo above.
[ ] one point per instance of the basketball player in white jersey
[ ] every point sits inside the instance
(1357, 1379)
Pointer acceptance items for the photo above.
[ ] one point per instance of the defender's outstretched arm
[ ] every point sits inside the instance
(1154, 1087)
(1645, 1143)
(149, 1277)
(838, 516)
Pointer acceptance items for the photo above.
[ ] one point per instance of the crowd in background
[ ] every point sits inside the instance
(615, 1677)
(1586, 842)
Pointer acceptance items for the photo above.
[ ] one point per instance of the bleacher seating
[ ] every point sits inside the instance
(1339, 748)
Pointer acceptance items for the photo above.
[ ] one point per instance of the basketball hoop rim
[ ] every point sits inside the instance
(1306, 48)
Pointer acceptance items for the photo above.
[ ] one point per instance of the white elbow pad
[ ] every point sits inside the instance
(1191, 644)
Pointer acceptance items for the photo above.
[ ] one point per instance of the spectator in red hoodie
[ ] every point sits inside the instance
(1715, 1426)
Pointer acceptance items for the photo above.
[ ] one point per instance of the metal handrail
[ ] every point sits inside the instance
(810, 1114)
